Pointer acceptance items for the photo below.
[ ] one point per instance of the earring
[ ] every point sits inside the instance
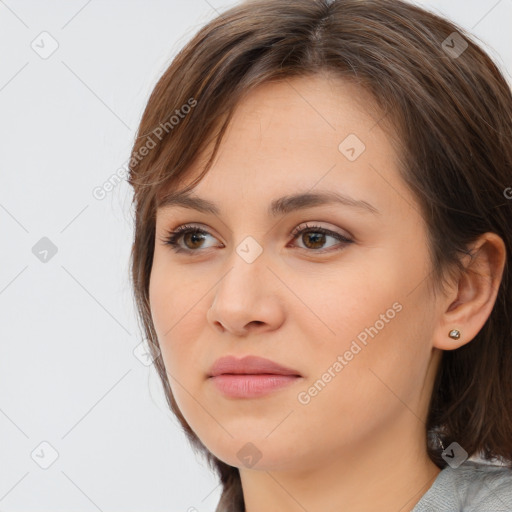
(454, 334)
(440, 442)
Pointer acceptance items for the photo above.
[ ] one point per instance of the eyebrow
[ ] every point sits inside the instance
(280, 206)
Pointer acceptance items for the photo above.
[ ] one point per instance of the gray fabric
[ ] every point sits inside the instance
(472, 487)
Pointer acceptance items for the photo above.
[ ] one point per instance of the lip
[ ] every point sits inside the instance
(249, 365)
(250, 376)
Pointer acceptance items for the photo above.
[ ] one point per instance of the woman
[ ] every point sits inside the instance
(322, 255)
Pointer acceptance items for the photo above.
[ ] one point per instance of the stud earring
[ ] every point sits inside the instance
(454, 334)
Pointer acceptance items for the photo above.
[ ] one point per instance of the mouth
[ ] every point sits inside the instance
(250, 377)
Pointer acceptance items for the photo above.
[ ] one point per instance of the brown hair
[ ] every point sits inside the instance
(452, 114)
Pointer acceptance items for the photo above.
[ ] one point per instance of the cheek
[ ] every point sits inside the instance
(178, 314)
(376, 381)
(169, 296)
(367, 329)
(336, 307)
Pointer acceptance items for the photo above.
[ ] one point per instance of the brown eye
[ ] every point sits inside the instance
(317, 240)
(193, 238)
(314, 238)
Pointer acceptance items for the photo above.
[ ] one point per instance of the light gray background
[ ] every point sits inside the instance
(68, 373)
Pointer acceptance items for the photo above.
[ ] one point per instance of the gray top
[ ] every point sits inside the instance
(472, 487)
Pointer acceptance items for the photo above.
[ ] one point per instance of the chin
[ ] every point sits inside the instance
(259, 454)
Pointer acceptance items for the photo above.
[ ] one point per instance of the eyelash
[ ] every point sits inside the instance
(173, 237)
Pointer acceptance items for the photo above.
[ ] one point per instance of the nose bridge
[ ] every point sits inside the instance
(242, 295)
(247, 268)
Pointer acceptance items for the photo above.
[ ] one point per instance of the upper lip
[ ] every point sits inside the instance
(249, 365)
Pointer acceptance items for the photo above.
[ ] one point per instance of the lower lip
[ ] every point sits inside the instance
(251, 386)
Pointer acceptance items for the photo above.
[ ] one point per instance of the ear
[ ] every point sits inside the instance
(470, 301)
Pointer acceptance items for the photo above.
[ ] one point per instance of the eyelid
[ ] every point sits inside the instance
(198, 226)
(303, 226)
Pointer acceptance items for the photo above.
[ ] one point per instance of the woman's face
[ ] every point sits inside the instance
(354, 320)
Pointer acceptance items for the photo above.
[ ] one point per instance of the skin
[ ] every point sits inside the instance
(360, 441)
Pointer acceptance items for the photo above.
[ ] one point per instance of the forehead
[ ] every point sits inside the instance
(299, 134)
(313, 109)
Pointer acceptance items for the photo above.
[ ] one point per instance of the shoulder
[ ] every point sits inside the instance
(472, 487)
(486, 487)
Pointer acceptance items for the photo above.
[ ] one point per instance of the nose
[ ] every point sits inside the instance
(247, 298)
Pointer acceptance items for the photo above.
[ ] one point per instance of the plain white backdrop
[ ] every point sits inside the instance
(83, 423)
